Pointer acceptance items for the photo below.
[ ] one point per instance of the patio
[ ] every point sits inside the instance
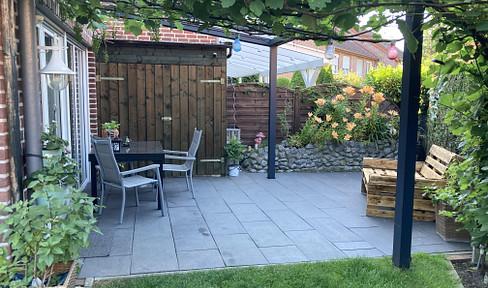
(249, 220)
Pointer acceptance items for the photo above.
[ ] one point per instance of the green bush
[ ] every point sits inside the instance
(387, 80)
(251, 79)
(336, 120)
(297, 80)
(351, 78)
(325, 75)
(437, 130)
(283, 82)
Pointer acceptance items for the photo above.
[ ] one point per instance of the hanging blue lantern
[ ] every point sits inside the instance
(237, 45)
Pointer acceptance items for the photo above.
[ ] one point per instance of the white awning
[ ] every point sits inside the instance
(254, 59)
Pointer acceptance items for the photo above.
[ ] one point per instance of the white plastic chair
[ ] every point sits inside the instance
(110, 174)
(189, 158)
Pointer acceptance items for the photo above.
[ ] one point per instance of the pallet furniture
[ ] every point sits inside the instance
(379, 183)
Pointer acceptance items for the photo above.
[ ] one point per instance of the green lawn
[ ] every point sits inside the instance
(427, 271)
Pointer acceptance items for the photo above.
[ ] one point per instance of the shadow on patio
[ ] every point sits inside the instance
(246, 220)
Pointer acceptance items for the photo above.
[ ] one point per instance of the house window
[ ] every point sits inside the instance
(359, 67)
(334, 63)
(346, 65)
(67, 108)
(369, 66)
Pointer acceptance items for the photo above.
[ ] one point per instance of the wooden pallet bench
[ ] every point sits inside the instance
(379, 183)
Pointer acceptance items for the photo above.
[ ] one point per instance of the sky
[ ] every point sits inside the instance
(390, 31)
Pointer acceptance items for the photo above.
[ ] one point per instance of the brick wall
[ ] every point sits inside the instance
(165, 34)
(5, 191)
(92, 93)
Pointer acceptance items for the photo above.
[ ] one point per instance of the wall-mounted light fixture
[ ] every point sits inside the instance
(56, 71)
(330, 51)
(237, 44)
(392, 53)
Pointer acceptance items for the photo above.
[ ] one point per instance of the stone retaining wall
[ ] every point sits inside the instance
(331, 157)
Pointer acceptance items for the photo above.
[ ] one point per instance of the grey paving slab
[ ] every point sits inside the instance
(153, 242)
(239, 250)
(306, 209)
(314, 245)
(266, 234)
(190, 230)
(215, 205)
(200, 259)
(230, 192)
(224, 224)
(248, 212)
(268, 202)
(287, 220)
(183, 199)
(286, 254)
(351, 219)
(333, 230)
(364, 253)
(105, 266)
(122, 242)
(360, 245)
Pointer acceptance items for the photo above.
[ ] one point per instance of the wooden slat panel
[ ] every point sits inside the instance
(175, 108)
(141, 102)
(209, 113)
(103, 97)
(184, 110)
(427, 172)
(132, 90)
(113, 93)
(150, 103)
(123, 100)
(218, 117)
(441, 153)
(201, 118)
(389, 201)
(167, 107)
(417, 215)
(438, 166)
(158, 101)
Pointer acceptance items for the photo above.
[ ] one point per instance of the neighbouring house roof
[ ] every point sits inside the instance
(254, 59)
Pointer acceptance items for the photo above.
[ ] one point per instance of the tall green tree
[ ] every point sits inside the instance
(325, 75)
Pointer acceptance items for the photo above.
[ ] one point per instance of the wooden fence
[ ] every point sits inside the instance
(247, 107)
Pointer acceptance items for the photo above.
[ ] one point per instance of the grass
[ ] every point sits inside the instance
(426, 271)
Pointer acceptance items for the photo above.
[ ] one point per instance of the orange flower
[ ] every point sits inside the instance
(344, 119)
(378, 97)
(349, 90)
(334, 101)
(368, 115)
(350, 126)
(335, 124)
(335, 135)
(393, 113)
(367, 109)
(373, 103)
(347, 137)
(358, 116)
(340, 97)
(348, 110)
(318, 119)
(310, 114)
(367, 89)
(320, 102)
(328, 117)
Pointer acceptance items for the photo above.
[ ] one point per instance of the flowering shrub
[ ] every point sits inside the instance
(339, 120)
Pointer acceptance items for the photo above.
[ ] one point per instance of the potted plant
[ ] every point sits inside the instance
(52, 144)
(235, 153)
(110, 129)
(44, 239)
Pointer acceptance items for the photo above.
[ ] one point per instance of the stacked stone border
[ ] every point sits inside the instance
(328, 157)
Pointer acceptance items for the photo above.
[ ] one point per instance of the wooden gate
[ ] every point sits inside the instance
(162, 91)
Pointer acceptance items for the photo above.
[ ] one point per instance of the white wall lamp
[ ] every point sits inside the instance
(56, 71)
(330, 51)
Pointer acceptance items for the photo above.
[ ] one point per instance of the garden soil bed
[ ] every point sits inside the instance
(466, 270)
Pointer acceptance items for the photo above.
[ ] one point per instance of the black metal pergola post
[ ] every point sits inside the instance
(273, 71)
(402, 236)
